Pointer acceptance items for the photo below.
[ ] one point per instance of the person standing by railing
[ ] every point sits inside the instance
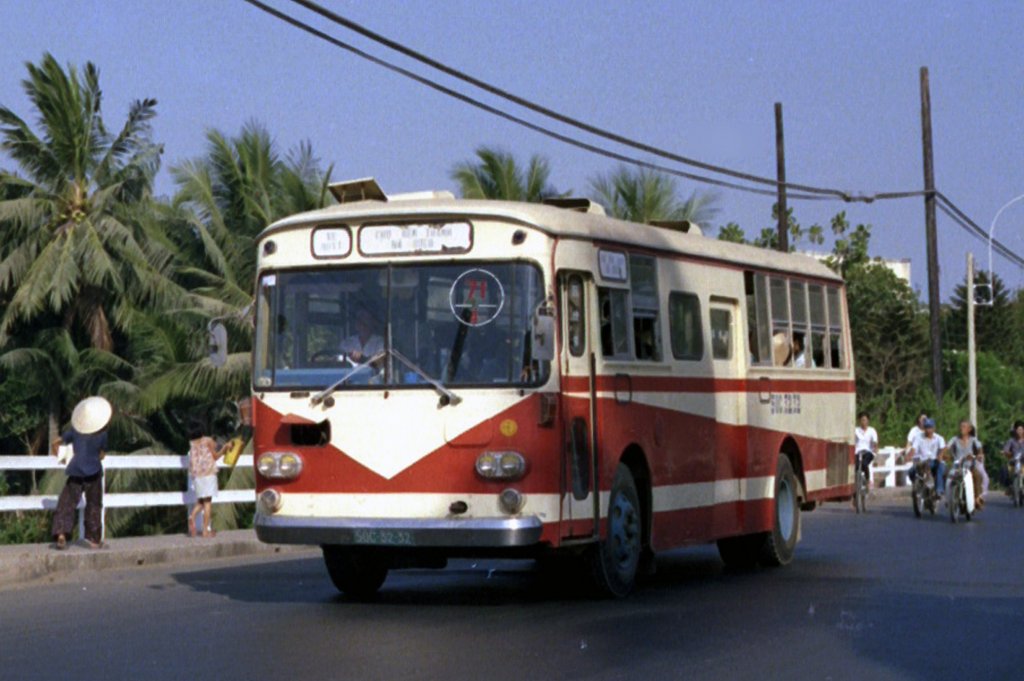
(202, 467)
(88, 439)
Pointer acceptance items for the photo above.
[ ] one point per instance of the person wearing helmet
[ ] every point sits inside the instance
(88, 439)
(927, 447)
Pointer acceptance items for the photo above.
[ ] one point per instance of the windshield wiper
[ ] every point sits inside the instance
(326, 392)
(447, 396)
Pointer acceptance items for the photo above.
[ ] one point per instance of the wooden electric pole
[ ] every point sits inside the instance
(931, 237)
(780, 168)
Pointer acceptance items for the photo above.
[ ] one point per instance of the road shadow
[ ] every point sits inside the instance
(464, 583)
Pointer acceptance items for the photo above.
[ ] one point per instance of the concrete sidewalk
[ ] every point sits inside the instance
(28, 562)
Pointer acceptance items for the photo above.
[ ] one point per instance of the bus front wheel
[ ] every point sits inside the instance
(780, 543)
(355, 572)
(614, 561)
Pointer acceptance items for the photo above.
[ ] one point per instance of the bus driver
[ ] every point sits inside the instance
(364, 343)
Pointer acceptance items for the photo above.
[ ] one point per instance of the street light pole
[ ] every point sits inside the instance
(991, 229)
(972, 365)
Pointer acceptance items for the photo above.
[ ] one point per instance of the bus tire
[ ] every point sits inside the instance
(780, 544)
(355, 572)
(741, 553)
(615, 560)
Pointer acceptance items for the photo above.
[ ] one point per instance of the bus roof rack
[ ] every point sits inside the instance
(365, 189)
(580, 205)
(684, 226)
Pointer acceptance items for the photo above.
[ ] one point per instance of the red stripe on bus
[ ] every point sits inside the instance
(694, 384)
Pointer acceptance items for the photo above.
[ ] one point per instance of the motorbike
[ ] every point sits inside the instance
(1017, 483)
(923, 493)
(961, 489)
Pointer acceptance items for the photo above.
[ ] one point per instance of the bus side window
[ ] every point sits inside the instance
(802, 357)
(643, 276)
(782, 335)
(721, 333)
(614, 328)
(758, 333)
(835, 329)
(818, 345)
(685, 327)
(576, 319)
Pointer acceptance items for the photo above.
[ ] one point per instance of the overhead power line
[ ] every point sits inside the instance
(586, 146)
(618, 138)
(967, 224)
(807, 193)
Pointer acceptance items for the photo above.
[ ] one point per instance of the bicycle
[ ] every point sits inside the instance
(860, 486)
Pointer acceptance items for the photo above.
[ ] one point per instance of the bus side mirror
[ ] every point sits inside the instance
(542, 338)
(218, 344)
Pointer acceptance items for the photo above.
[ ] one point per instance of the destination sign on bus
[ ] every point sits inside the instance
(415, 238)
(331, 242)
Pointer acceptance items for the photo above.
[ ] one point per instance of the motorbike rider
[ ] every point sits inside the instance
(927, 447)
(1013, 450)
(966, 444)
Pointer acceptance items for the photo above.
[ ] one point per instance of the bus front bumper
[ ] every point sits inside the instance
(400, 532)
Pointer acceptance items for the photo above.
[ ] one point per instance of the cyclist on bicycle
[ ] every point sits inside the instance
(865, 444)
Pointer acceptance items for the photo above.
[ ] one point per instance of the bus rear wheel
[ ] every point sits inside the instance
(780, 544)
(355, 572)
(615, 560)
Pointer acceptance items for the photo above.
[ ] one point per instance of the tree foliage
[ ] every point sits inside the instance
(496, 175)
(647, 196)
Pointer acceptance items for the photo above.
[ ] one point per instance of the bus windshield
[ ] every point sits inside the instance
(464, 324)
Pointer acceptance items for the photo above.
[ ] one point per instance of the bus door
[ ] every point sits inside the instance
(731, 445)
(579, 393)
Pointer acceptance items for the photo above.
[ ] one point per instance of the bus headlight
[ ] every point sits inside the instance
(501, 465)
(279, 465)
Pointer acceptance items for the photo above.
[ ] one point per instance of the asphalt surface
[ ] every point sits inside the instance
(879, 596)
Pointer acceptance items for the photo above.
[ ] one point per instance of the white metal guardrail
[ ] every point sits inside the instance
(885, 464)
(119, 499)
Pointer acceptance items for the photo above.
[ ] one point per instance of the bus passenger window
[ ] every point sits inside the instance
(758, 331)
(614, 328)
(798, 305)
(721, 333)
(685, 327)
(835, 329)
(643, 275)
(818, 346)
(782, 348)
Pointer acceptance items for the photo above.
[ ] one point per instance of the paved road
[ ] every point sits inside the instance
(869, 597)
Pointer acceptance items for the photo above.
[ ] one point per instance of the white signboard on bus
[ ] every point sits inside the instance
(442, 237)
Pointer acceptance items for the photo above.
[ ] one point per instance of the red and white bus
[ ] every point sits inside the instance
(437, 377)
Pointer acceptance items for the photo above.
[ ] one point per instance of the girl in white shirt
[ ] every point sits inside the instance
(865, 442)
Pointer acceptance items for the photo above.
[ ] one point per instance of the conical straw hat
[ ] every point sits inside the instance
(91, 415)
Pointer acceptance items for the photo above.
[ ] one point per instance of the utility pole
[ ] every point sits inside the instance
(780, 169)
(934, 309)
(972, 365)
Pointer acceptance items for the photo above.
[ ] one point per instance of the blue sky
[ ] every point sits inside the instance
(696, 78)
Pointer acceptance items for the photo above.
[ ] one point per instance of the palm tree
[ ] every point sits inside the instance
(643, 195)
(69, 245)
(224, 200)
(497, 175)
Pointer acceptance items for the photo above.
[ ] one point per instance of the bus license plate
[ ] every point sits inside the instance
(383, 537)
